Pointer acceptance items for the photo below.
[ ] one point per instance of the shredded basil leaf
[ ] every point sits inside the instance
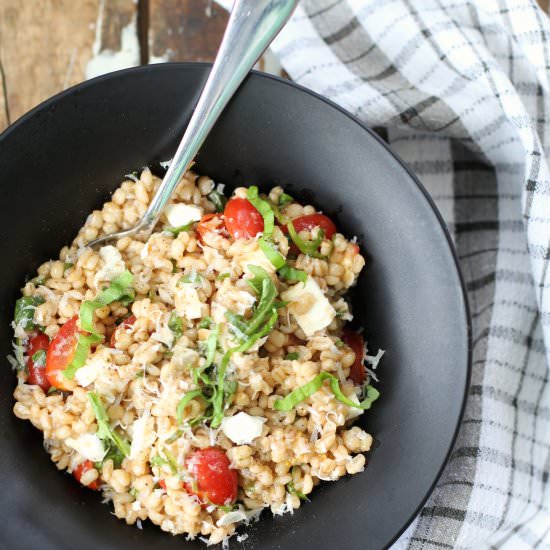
(259, 274)
(237, 324)
(191, 278)
(38, 280)
(264, 208)
(104, 430)
(271, 253)
(39, 358)
(172, 462)
(24, 311)
(292, 356)
(263, 309)
(292, 489)
(175, 324)
(67, 265)
(175, 436)
(184, 401)
(83, 345)
(245, 346)
(119, 290)
(218, 200)
(177, 230)
(211, 345)
(310, 248)
(223, 276)
(114, 454)
(205, 322)
(291, 274)
(307, 390)
(285, 199)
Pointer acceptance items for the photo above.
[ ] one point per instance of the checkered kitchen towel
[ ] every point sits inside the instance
(462, 89)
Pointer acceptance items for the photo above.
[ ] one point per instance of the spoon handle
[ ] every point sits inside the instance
(252, 26)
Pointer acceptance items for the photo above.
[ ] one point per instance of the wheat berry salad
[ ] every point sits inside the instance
(206, 374)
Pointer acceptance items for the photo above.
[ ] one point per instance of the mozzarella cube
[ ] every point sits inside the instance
(188, 303)
(319, 315)
(113, 264)
(242, 428)
(182, 214)
(87, 445)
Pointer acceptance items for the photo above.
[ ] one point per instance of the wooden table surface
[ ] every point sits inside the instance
(49, 45)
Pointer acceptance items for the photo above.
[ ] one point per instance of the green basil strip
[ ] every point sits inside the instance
(307, 390)
(237, 325)
(245, 346)
(184, 401)
(217, 402)
(292, 489)
(292, 356)
(177, 230)
(223, 276)
(259, 274)
(264, 208)
(205, 322)
(83, 345)
(39, 358)
(172, 462)
(211, 346)
(175, 324)
(310, 248)
(268, 295)
(104, 430)
(218, 200)
(291, 274)
(24, 311)
(272, 254)
(281, 218)
(118, 289)
(191, 278)
(285, 199)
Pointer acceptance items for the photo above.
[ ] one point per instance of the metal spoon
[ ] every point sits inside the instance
(252, 26)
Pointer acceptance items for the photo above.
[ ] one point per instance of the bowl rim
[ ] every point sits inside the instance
(466, 311)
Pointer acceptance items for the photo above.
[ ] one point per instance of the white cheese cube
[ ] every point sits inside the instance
(182, 214)
(319, 315)
(187, 301)
(87, 445)
(113, 265)
(242, 428)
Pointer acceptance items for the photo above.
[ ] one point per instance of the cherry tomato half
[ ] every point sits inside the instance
(61, 352)
(81, 469)
(242, 219)
(213, 480)
(210, 223)
(37, 373)
(355, 341)
(315, 220)
(128, 322)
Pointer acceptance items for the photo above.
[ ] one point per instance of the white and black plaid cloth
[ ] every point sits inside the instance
(462, 91)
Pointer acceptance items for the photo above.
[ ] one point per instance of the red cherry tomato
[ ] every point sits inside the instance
(128, 322)
(355, 341)
(37, 373)
(81, 469)
(315, 220)
(61, 352)
(242, 219)
(211, 223)
(213, 480)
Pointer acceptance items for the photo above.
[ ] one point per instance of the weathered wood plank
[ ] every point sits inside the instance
(47, 45)
(185, 30)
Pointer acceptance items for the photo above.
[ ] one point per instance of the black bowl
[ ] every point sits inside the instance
(63, 159)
